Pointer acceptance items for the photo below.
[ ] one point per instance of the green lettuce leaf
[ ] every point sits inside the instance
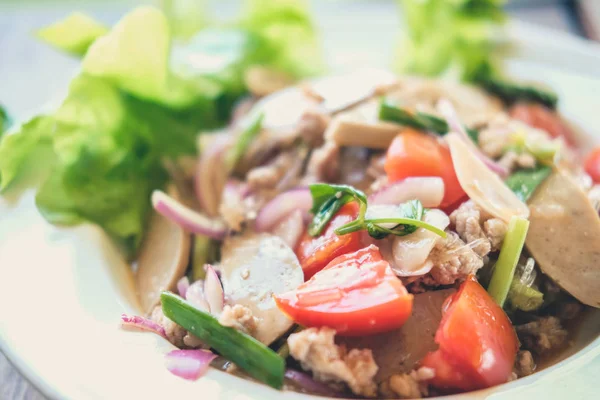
(138, 101)
(134, 56)
(5, 121)
(290, 40)
(16, 148)
(442, 34)
(74, 34)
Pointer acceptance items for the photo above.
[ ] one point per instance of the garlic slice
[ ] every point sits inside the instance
(482, 185)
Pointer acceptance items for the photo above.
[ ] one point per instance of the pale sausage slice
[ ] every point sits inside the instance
(564, 237)
(253, 268)
(163, 258)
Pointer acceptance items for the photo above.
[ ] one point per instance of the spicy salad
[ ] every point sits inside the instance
(367, 234)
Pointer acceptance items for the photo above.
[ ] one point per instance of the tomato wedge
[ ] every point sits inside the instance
(541, 117)
(413, 153)
(592, 165)
(314, 253)
(356, 294)
(478, 344)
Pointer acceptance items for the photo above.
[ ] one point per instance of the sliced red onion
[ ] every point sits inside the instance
(182, 286)
(143, 323)
(189, 364)
(211, 175)
(449, 113)
(213, 291)
(235, 187)
(306, 382)
(429, 190)
(291, 228)
(187, 218)
(195, 295)
(281, 206)
(410, 253)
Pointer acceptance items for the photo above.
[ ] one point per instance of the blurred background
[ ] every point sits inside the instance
(33, 74)
(21, 55)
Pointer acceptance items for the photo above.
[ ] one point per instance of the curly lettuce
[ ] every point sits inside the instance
(73, 34)
(444, 34)
(139, 99)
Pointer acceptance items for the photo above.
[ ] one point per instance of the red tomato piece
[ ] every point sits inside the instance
(541, 117)
(592, 165)
(314, 253)
(478, 343)
(413, 153)
(356, 294)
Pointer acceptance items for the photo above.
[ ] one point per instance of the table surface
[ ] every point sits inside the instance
(16, 23)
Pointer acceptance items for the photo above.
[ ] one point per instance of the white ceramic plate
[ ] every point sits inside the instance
(62, 290)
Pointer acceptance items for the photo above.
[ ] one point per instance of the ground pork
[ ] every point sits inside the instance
(476, 227)
(453, 261)
(376, 172)
(324, 164)
(233, 211)
(175, 333)
(239, 317)
(524, 364)
(501, 136)
(542, 335)
(568, 310)
(352, 167)
(268, 176)
(193, 342)
(512, 160)
(312, 126)
(315, 349)
(407, 386)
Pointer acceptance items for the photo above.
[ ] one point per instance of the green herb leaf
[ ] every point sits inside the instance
(406, 219)
(252, 356)
(524, 182)
(504, 270)
(328, 199)
(388, 111)
(391, 112)
(512, 92)
(74, 34)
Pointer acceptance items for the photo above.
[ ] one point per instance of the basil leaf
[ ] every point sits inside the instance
(391, 112)
(376, 231)
(327, 201)
(512, 92)
(524, 182)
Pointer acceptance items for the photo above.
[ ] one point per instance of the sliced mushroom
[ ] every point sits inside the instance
(253, 268)
(341, 92)
(360, 126)
(400, 350)
(564, 237)
(163, 258)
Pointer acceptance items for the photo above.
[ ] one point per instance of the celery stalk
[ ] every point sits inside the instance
(504, 270)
